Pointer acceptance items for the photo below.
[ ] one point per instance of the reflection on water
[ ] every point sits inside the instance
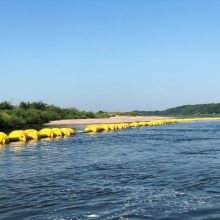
(47, 139)
(32, 142)
(165, 172)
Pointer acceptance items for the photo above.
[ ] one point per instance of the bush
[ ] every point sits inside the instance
(6, 106)
(38, 113)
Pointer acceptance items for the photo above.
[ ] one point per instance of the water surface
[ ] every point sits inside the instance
(164, 172)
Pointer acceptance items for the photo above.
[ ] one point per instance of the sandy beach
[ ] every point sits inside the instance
(117, 119)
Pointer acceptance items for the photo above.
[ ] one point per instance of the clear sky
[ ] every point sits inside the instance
(114, 55)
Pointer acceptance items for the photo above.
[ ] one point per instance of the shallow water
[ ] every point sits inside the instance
(165, 172)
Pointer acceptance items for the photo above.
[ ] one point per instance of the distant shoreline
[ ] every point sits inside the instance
(112, 120)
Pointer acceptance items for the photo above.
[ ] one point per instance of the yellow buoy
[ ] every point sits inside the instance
(142, 123)
(112, 127)
(94, 128)
(33, 134)
(91, 128)
(105, 127)
(67, 131)
(71, 130)
(3, 138)
(46, 133)
(18, 135)
(134, 125)
(57, 132)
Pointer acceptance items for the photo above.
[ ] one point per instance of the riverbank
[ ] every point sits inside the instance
(111, 120)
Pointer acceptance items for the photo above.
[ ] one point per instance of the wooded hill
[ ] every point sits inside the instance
(199, 109)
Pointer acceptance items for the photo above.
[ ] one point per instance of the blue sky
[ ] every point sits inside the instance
(114, 55)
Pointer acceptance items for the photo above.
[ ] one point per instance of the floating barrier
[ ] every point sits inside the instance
(32, 135)
(109, 127)
(22, 136)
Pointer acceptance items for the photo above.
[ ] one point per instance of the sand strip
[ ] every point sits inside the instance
(112, 120)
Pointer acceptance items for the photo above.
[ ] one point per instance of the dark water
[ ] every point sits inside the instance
(165, 172)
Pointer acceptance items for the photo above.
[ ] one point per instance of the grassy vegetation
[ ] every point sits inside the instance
(36, 113)
(201, 110)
